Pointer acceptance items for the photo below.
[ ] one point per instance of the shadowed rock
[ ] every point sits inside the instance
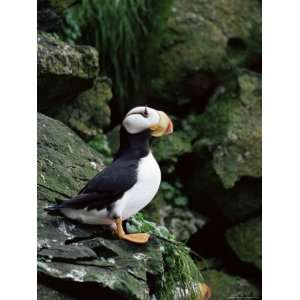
(205, 40)
(245, 240)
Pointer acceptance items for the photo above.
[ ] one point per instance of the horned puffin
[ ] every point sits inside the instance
(126, 186)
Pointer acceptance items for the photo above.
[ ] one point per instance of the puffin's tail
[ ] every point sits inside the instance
(55, 209)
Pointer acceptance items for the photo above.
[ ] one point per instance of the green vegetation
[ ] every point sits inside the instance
(100, 144)
(172, 193)
(181, 275)
(126, 33)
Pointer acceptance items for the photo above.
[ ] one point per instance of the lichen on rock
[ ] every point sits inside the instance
(207, 38)
(63, 70)
(231, 129)
(89, 112)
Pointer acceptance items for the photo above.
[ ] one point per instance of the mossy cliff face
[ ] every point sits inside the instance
(89, 112)
(225, 286)
(206, 39)
(231, 129)
(63, 70)
(82, 262)
(221, 174)
(245, 240)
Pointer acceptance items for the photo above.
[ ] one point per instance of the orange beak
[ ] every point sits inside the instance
(164, 127)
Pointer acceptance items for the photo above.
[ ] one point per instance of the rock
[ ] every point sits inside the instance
(245, 240)
(49, 13)
(89, 112)
(208, 196)
(170, 209)
(46, 293)
(182, 222)
(231, 129)
(206, 39)
(100, 143)
(168, 149)
(85, 261)
(63, 70)
(241, 202)
(224, 286)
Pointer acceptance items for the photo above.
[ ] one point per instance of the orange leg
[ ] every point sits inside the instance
(139, 238)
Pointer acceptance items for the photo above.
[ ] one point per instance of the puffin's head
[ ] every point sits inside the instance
(141, 118)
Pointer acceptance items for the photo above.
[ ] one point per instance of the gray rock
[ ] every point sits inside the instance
(182, 222)
(63, 70)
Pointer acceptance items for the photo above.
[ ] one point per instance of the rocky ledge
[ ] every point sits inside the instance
(82, 262)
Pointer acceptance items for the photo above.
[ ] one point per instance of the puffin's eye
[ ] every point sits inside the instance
(145, 113)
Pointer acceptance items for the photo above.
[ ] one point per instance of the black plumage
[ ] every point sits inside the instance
(111, 183)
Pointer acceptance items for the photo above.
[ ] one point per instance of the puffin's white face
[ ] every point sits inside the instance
(141, 118)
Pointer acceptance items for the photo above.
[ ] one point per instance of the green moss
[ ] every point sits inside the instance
(89, 112)
(245, 240)
(100, 144)
(58, 58)
(169, 148)
(172, 193)
(231, 128)
(206, 36)
(225, 287)
(181, 274)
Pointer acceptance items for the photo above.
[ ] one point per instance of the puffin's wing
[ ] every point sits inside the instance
(105, 188)
(120, 176)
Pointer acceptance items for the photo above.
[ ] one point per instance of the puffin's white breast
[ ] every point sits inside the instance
(144, 190)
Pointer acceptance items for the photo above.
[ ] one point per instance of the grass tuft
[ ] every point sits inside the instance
(127, 34)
